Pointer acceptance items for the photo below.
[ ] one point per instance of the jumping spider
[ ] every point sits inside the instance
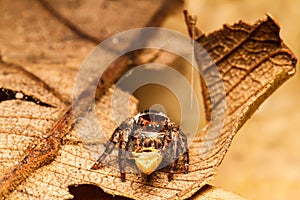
(147, 137)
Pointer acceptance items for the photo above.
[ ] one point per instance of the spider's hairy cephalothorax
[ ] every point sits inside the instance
(147, 136)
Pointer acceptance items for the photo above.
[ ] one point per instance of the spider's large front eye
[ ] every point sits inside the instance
(149, 127)
(158, 127)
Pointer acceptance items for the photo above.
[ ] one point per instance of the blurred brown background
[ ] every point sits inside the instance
(263, 161)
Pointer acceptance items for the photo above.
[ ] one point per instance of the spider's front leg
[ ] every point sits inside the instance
(179, 142)
(184, 147)
(109, 146)
(174, 151)
(122, 151)
(120, 136)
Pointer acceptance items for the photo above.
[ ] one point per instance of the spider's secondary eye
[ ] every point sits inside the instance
(158, 127)
(149, 127)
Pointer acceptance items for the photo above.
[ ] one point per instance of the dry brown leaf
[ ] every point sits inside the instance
(40, 149)
(210, 192)
(43, 44)
(253, 62)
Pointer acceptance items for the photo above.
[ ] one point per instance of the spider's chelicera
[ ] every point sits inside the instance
(149, 137)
